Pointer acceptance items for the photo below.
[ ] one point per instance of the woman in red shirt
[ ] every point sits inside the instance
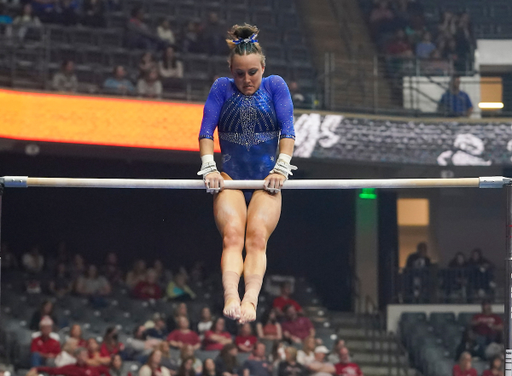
(269, 328)
(217, 337)
(496, 367)
(464, 367)
(111, 345)
(76, 333)
(245, 340)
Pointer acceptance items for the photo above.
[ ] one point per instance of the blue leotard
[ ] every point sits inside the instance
(250, 126)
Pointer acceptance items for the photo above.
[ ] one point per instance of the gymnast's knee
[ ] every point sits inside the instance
(233, 239)
(256, 242)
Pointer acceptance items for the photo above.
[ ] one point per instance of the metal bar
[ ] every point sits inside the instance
(508, 289)
(482, 182)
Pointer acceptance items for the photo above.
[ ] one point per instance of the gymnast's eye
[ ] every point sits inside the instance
(252, 72)
(240, 73)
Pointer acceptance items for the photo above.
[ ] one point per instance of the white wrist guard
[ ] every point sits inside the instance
(283, 166)
(208, 166)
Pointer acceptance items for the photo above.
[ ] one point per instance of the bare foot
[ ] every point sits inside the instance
(248, 313)
(232, 309)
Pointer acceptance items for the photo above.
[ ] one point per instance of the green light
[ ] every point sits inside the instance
(368, 194)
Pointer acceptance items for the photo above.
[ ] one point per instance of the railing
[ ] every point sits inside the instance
(448, 285)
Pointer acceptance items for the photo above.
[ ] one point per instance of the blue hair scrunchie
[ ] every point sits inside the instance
(251, 39)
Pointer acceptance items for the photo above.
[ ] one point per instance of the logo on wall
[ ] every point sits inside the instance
(413, 142)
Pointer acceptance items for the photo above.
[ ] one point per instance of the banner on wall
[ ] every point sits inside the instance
(160, 125)
(404, 142)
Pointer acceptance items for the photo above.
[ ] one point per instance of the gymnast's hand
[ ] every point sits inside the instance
(214, 182)
(274, 183)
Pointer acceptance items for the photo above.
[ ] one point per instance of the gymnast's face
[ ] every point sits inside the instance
(247, 72)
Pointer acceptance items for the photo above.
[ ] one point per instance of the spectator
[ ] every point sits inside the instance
(456, 274)
(153, 366)
(5, 22)
(118, 84)
(44, 349)
(67, 355)
(399, 47)
(95, 357)
(111, 269)
(416, 273)
(464, 41)
(183, 335)
(138, 33)
(149, 288)
(94, 13)
(269, 328)
(318, 366)
(81, 368)
(46, 310)
(140, 345)
(448, 25)
(284, 299)
(25, 21)
(94, 287)
(75, 332)
(165, 33)
(191, 43)
(307, 354)
(296, 328)
(469, 344)
(381, 18)
(167, 357)
(61, 284)
(290, 366)
(67, 13)
(464, 368)
(117, 367)
(425, 48)
(487, 325)
(187, 352)
(9, 261)
(146, 64)
(111, 345)
(226, 363)
(77, 265)
(208, 368)
(213, 35)
(198, 272)
(179, 290)
(345, 367)
(480, 273)
(298, 98)
(333, 356)
(163, 275)
(217, 338)
(33, 261)
(150, 86)
(454, 101)
(159, 331)
(186, 368)
(420, 259)
(65, 80)
(170, 66)
(137, 274)
(257, 364)
(245, 340)
(277, 354)
(45, 9)
(181, 310)
(495, 367)
(206, 321)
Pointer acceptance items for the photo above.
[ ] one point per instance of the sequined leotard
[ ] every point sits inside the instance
(249, 125)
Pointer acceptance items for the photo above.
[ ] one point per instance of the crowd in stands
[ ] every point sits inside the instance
(464, 280)
(401, 32)
(168, 343)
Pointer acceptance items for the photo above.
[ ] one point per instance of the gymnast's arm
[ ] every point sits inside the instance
(211, 114)
(284, 113)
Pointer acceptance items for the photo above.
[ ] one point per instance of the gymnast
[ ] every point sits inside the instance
(254, 116)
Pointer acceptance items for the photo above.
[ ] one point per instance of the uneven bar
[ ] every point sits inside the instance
(26, 182)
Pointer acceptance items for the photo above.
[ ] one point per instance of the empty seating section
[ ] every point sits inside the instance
(97, 50)
(432, 341)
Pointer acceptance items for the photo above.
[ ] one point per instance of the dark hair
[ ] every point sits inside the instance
(45, 302)
(205, 372)
(182, 371)
(493, 359)
(230, 361)
(216, 321)
(287, 307)
(166, 62)
(243, 32)
(63, 65)
(266, 316)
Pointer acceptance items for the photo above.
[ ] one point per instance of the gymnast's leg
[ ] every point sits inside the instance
(262, 217)
(230, 211)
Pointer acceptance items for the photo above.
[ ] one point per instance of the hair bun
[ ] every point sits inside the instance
(241, 31)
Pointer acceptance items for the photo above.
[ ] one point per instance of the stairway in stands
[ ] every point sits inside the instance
(338, 27)
(377, 353)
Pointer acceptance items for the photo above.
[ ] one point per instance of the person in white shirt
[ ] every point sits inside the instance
(307, 354)
(170, 66)
(319, 367)
(33, 261)
(165, 33)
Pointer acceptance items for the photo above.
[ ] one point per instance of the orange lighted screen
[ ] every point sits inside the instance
(100, 121)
